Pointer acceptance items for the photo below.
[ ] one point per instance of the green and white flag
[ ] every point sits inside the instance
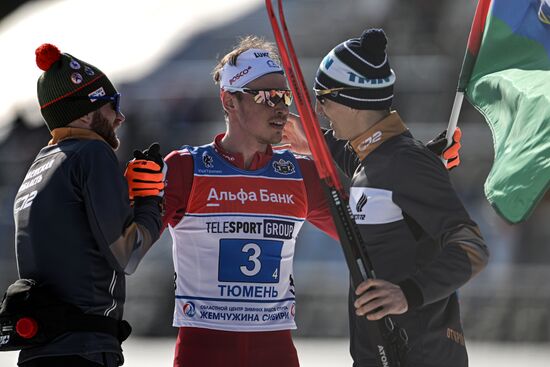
(506, 76)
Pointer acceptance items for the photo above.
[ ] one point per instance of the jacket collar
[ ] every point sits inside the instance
(259, 160)
(63, 133)
(380, 132)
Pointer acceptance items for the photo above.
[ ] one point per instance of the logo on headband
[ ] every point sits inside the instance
(272, 64)
(240, 75)
(261, 54)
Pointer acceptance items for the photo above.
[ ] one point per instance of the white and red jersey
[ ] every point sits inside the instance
(234, 247)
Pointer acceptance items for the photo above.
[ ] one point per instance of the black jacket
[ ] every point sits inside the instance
(77, 235)
(417, 234)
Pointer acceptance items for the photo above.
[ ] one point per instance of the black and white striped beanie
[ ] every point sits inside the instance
(359, 63)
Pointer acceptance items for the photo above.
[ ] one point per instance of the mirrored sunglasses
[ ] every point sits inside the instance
(269, 97)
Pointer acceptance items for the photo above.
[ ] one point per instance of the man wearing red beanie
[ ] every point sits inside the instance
(76, 233)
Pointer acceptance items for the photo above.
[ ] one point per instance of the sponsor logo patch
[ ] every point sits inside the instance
(374, 138)
(283, 167)
(278, 229)
(207, 160)
(361, 203)
(189, 309)
(272, 64)
(99, 92)
(239, 75)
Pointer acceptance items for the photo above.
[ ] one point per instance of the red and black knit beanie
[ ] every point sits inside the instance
(67, 88)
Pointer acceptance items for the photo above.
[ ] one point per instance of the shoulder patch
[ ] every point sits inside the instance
(207, 160)
(284, 167)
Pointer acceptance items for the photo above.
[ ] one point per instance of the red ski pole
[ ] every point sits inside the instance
(389, 340)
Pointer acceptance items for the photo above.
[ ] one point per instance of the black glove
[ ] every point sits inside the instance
(150, 154)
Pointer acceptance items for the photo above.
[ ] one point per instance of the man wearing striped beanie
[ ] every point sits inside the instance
(357, 73)
(422, 242)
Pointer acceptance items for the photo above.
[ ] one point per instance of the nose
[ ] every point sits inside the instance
(281, 109)
(120, 118)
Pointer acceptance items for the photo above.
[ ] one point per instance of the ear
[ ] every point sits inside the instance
(87, 118)
(228, 101)
(84, 122)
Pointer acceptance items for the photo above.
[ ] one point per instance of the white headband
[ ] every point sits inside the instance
(251, 65)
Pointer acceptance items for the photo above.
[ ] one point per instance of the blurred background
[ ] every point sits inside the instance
(160, 55)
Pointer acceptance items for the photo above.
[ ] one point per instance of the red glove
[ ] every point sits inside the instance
(451, 154)
(146, 173)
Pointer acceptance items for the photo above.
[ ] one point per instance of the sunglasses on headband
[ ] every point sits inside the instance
(269, 97)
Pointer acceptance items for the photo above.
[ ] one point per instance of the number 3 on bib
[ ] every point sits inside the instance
(249, 261)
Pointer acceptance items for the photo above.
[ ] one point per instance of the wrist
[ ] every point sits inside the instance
(412, 293)
(157, 201)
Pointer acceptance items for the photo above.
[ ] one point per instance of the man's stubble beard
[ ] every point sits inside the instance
(105, 129)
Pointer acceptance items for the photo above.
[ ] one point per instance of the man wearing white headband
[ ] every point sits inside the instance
(252, 64)
(234, 209)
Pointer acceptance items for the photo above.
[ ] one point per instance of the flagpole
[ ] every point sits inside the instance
(474, 41)
(453, 120)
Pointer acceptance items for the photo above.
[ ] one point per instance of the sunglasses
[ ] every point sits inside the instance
(269, 97)
(320, 93)
(115, 100)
